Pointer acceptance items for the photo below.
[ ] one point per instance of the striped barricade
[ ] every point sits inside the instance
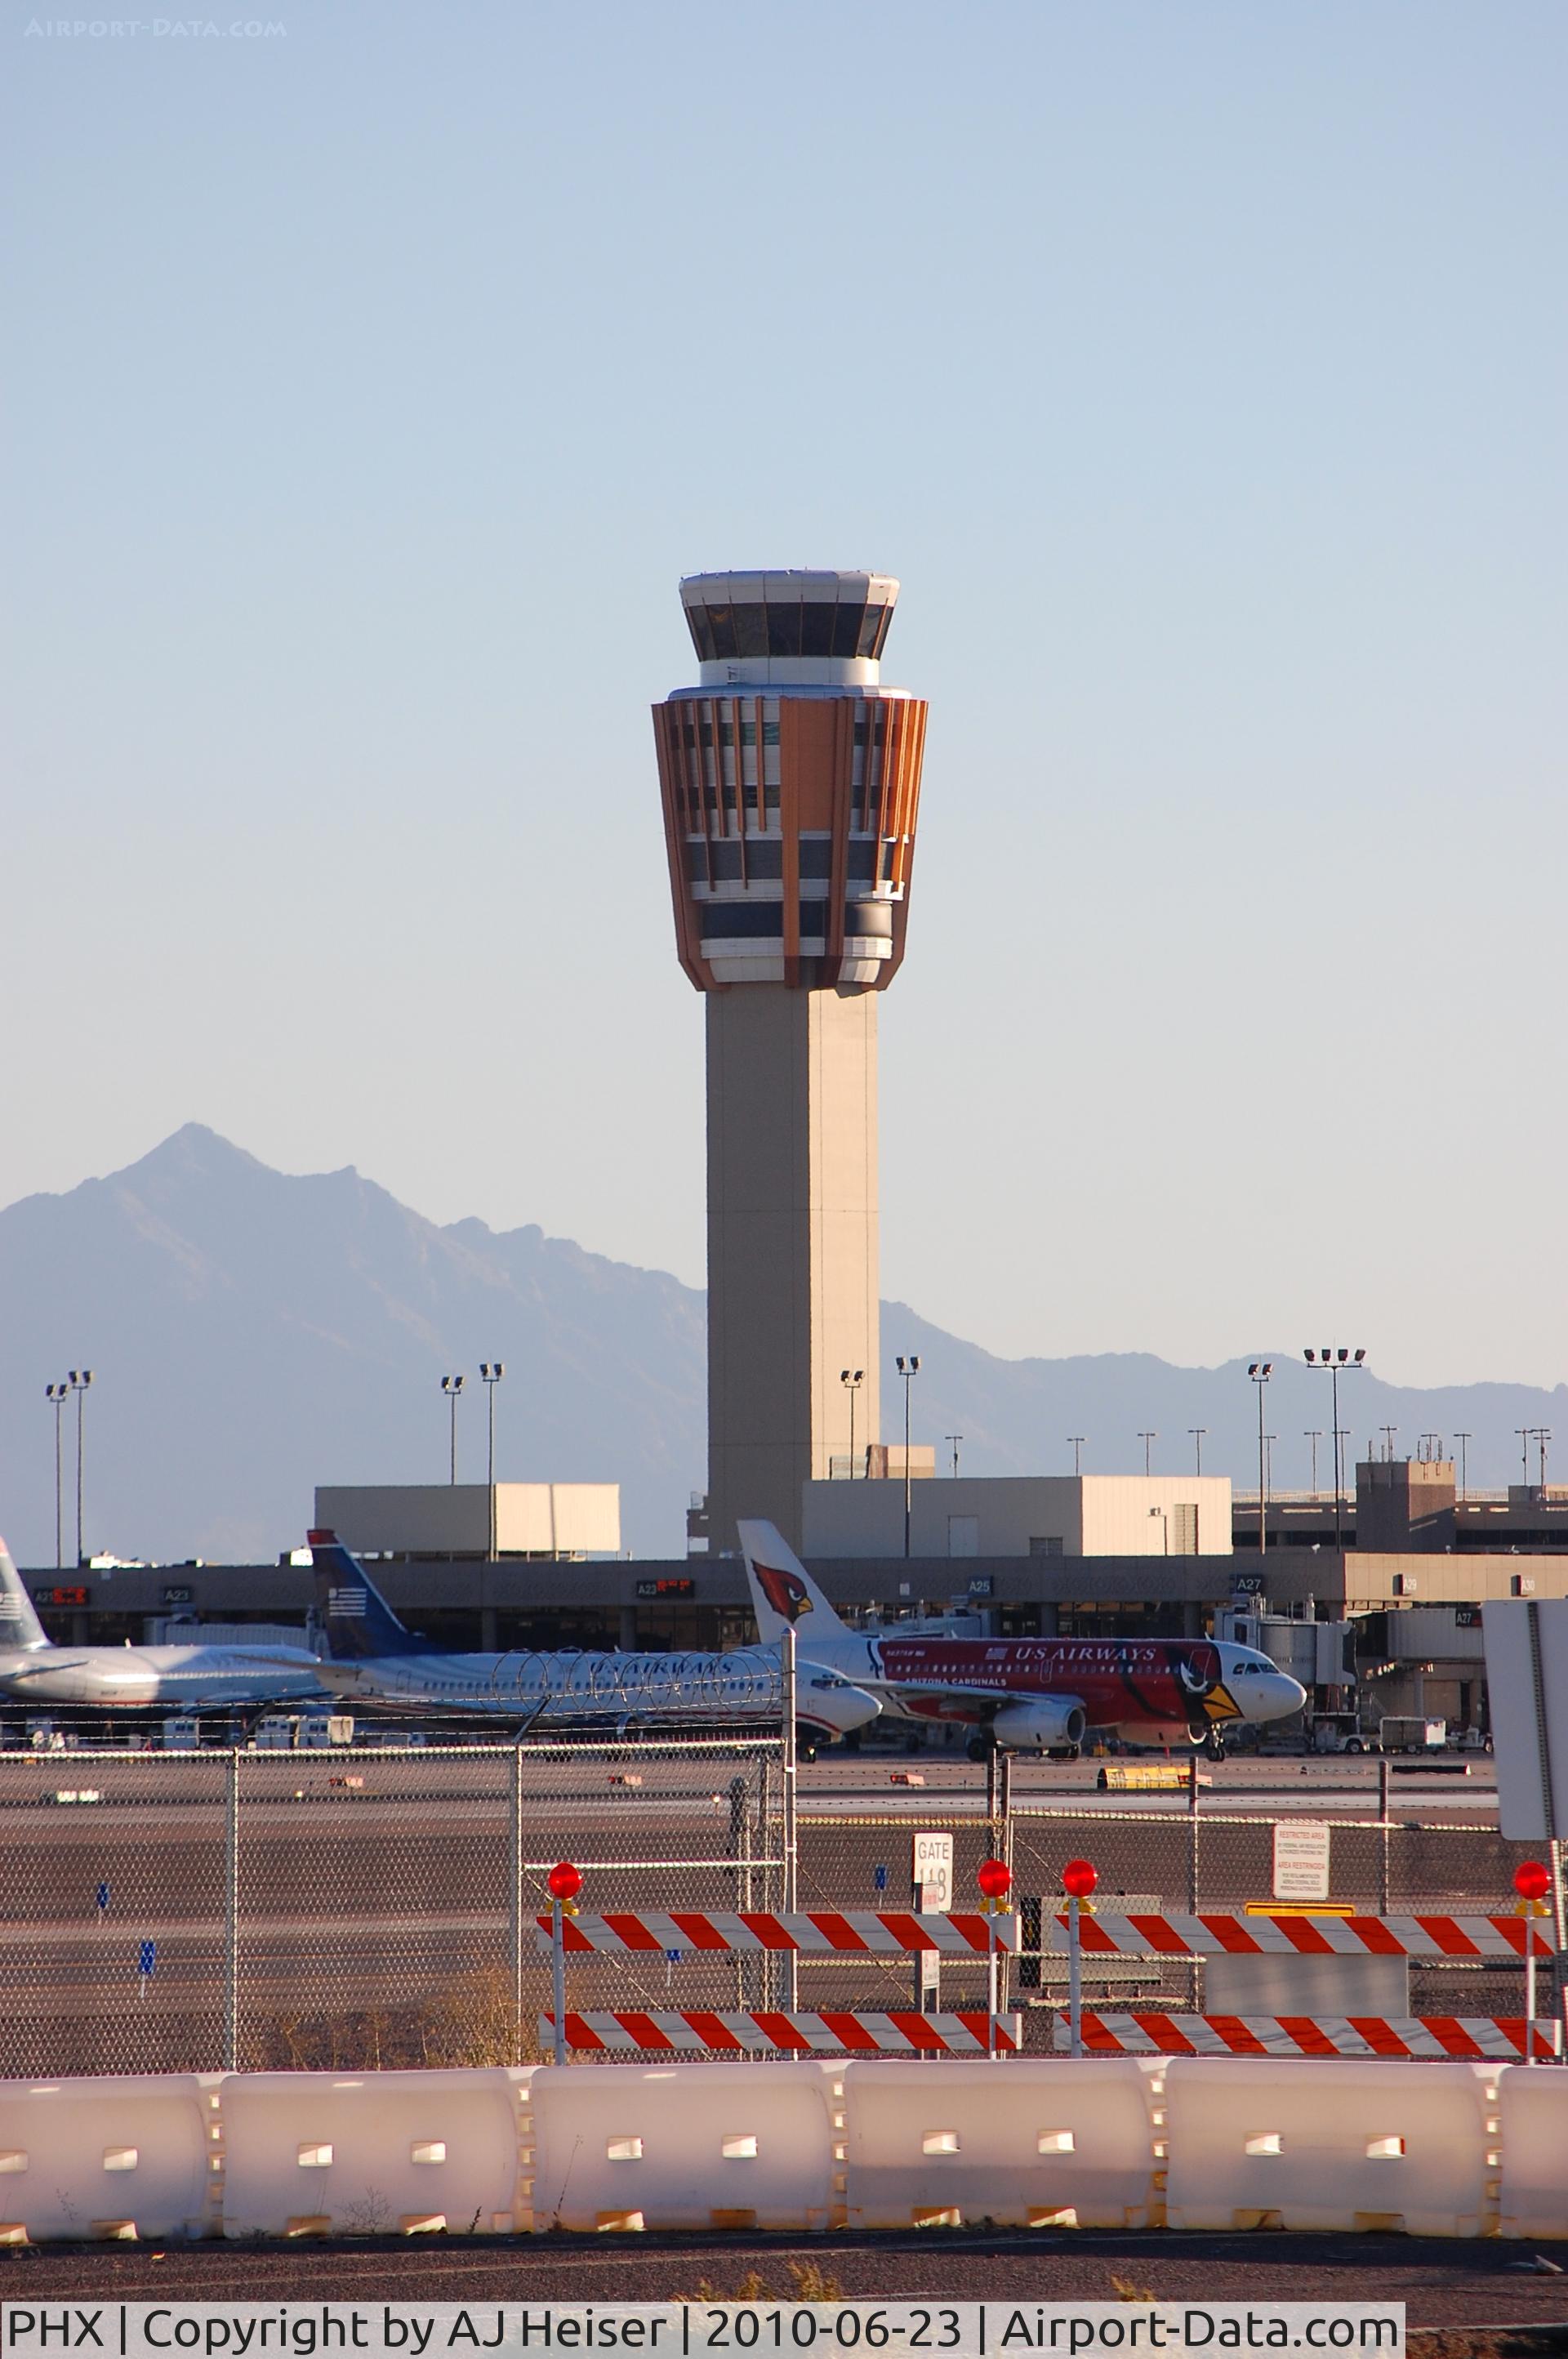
(1227, 1933)
(817, 1932)
(696, 2031)
(1465, 2038)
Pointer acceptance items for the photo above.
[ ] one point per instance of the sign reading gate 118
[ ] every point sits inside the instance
(931, 1872)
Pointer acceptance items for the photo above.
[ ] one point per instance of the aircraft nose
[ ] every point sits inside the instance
(1284, 1695)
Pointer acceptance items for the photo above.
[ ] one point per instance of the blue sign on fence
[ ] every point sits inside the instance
(102, 1901)
(147, 1962)
(880, 1875)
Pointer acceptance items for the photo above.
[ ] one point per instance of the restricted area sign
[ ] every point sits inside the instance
(1301, 1859)
(932, 1873)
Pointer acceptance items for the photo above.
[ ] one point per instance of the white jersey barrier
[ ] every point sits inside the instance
(685, 2145)
(371, 2153)
(117, 2157)
(1334, 2144)
(1450, 2149)
(1533, 2121)
(1026, 2148)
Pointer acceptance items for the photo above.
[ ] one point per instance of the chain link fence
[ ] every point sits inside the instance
(359, 1910)
(362, 1909)
(1191, 1855)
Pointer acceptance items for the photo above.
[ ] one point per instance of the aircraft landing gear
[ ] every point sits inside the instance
(981, 1745)
(1213, 1746)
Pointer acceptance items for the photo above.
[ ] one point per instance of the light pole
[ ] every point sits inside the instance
(1314, 1435)
(490, 1372)
(1261, 1371)
(1541, 1435)
(1333, 1362)
(1522, 1432)
(1387, 1432)
(1078, 1440)
(1148, 1439)
(79, 1381)
(1463, 1439)
(908, 1369)
(953, 1441)
(451, 1388)
(1198, 1432)
(852, 1379)
(56, 1397)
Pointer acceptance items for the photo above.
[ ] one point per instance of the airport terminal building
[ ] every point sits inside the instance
(1090, 1555)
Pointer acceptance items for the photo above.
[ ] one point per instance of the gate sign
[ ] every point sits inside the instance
(1301, 1859)
(932, 1872)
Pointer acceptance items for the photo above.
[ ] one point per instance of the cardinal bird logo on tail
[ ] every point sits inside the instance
(782, 1591)
(785, 1592)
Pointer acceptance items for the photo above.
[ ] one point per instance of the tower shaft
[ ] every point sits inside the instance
(792, 1244)
(791, 784)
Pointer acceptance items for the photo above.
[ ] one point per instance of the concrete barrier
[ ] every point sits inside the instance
(1330, 2144)
(371, 2154)
(133, 2154)
(1028, 2145)
(1451, 2148)
(686, 2146)
(1531, 2147)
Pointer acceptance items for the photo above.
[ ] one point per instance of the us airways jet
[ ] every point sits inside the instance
(1024, 1694)
(375, 1663)
(35, 1672)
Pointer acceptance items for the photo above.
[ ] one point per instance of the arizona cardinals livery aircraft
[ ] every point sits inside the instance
(375, 1663)
(33, 1670)
(1023, 1694)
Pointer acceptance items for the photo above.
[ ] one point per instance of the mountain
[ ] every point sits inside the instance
(251, 1335)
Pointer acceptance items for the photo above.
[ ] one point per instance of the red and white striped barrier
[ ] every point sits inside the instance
(817, 1932)
(1227, 1932)
(1464, 2037)
(696, 2032)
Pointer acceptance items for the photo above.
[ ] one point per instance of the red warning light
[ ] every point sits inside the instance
(1532, 1881)
(995, 1878)
(564, 1880)
(1079, 1878)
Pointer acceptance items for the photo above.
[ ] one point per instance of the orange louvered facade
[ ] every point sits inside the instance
(789, 824)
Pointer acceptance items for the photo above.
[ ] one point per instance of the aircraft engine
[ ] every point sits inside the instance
(1039, 1725)
(824, 1700)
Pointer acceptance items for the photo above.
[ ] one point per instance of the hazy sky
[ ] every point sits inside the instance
(1199, 368)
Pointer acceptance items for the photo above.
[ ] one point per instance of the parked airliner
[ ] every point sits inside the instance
(373, 1662)
(37, 1673)
(1024, 1694)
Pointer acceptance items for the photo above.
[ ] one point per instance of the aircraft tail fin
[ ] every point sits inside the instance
(357, 1622)
(19, 1624)
(781, 1589)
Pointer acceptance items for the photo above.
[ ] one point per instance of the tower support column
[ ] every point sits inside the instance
(792, 1244)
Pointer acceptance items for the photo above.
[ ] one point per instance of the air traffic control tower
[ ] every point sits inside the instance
(791, 779)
